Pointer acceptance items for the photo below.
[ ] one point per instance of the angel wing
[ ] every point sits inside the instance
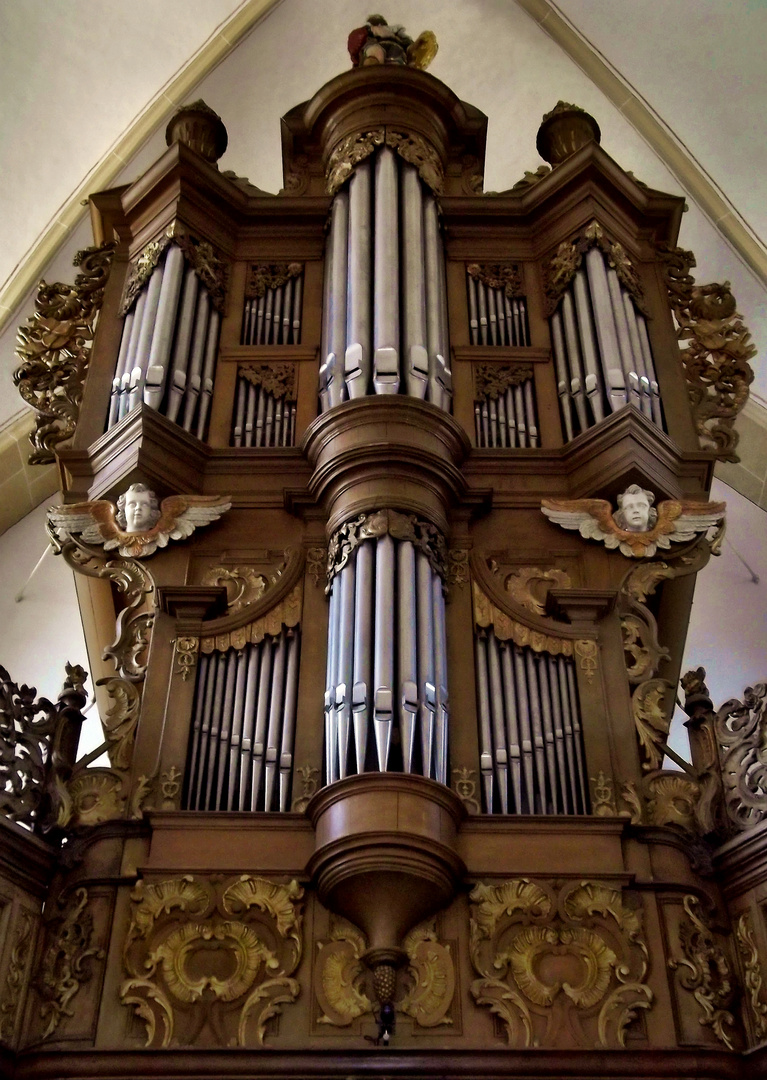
(180, 515)
(591, 517)
(697, 518)
(94, 521)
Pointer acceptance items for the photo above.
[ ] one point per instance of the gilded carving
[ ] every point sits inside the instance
(741, 733)
(270, 276)
(121, 720)
(504, 276)
(170, 786)
(316, 565)
(278, 379)
(211, 964)
(705, 971)
(287, 612)
(67, 960)
(493, 380)
(652, 720)
(431, 974)
(310, 782)
(569, 256)
(244, 584)
(95, 795)
(753, 975)
(637, 529)
(588, 657)
(340, 980)
(13, 991)
(411, 147)
(530, 179)
(422, 534)
(716, 354)
(186, 656)
(529, 586)
(111, 525)
(603, 796)
(210, 267)
(54, 347)
(558, 969)
(465, 787)
(141, 792)
(508, 629)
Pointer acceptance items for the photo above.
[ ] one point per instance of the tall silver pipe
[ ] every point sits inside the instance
(408, 650)
(534, 701)
(225, 728)
(501, 756)
(258, 336)
(120, 369)
(644, 389)
(386, 297)
(502, 424)
(492, 317)
(519, 409)
(485, 738)
(197, 353)
(577, 736)
(587, 380)
(563, 376)
(143, 346)
(363, 651)
(289, 724)
(196, 802)
(165, 324)
(297, 299)
(331, 731)
(208, 371)
(383, 663)
(492, 408)
(414, 339)
(278, 408)
(512, 320)
(435, 300)
(528, 750)
(182, 344)
(209, 764)
(276, 722)
(511, 418)
(558, 670)
(482, 310)
(277, 316)
(473, 310)
(440, 679)
(644, 339)
(532, 427)
(628, 361)
(588, 343)
(269, 420)
(196, 739)
(239, 411)
(607, 334)
(267, 330)
(260, 436)
(513, 738)
(357, 360)
(248, 725)
(327, 361)
(544, 691)
(566, 779)
(345, 666)
(262, 716)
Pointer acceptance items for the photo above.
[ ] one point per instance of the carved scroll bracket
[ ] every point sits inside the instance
(54, 347)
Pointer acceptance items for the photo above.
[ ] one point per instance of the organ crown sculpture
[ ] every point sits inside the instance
(382, 746)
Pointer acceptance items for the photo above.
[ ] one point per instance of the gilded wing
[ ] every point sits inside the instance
(591, 517)
(696, 518)
(182, 514)
(422, 51)
(94, 521)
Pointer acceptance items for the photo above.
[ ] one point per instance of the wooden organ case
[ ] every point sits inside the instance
(385, 786)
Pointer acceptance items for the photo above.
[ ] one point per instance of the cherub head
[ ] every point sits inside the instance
(636, 513)
(137, 509)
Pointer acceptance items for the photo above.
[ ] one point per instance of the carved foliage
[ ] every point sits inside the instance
(718, 348)
(559, 969)
(753, 977)
(67, 960)
(211, 964)
(504, 276)
(422, 534)
(265, 276)
(54, 347)
(529, 586)
(13, 989)
(244, 584)
(353, 149)
(705, 971)
(741, 733)
(287, 612)
(277, 379)
(561, 270)
(493, 380)
(344, 987)
(486, 613)
(465, 787)
(211, 268)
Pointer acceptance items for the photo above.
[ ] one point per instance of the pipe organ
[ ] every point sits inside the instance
(385, 498)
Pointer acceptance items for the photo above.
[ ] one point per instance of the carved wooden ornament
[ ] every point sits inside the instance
(100, 522)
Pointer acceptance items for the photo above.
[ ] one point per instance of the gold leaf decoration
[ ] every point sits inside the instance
(705, 971)
(602, 796)
(569, 256)
(507, 629)
(424, 536)
(715, 358)
(270, 276)
(285, 613)
(465, 786)
(651, 720)
(54, 347)
(121, 720)
(493, 380)
(244, 584)
(96, 796)
(588, 658)
(432, 975)
(504, 276)
(410, 146)
(340, 975)
(67, 959)
(557, 965)
(753, 975)
(199, 955)
(310, 782)
(211, 268)
(529, 586)
(277, 378)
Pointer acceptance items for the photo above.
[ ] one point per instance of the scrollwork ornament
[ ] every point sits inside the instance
(651, 720)
(13, 991)
(68, 959)
(520, 934)
(505, 276)
(487, 614)
(705, 971)
(741, 733)
(278, 379)
(316, 565)
(491, 381)
(210, 267)
(310, 782)
(424, 536)
(286, 612)
(340, 975)
(411, 147)
(717, 350)
(465, 787)
(121, 720)
(431, 973)
(603, 796)
(187, 651)
(569, 256)
(587, 653)
(95, 796)
(753, 975)
(54, 347)
(529, 586)
(270, 276)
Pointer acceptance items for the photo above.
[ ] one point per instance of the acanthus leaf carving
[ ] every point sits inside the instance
(493, 380)
(54, 347)
(410, 146)
(211, 268)
(277, 378)
(286, 612)
(263, 276)
(504, 276)
(487, 614)
(424, 536)
(569, 256)
(718, 348)
(547, 961)
(67, 960)
(753, 974)
(529, 586)
(13, 990)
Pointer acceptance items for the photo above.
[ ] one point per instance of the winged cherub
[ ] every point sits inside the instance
(637, 528)
(139, 524)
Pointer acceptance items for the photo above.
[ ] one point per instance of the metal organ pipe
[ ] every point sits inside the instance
(165, 322)
(357, 357)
